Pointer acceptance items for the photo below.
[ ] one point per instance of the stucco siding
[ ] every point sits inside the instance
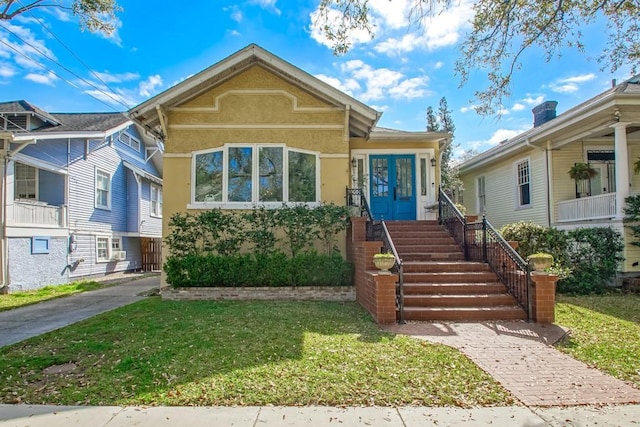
(33, 271)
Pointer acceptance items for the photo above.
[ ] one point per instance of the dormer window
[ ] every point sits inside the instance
(129, 140)
(18, 123)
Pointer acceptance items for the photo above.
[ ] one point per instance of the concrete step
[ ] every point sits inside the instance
(465, 313)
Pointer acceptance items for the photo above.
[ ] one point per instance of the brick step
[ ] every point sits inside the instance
(453, 288)
(443, 256)
(418, 232)
(466, 300)
(451, 277)
(510, 312)
(413, 226)
(424, 242)
(427, 249)
(444, 266)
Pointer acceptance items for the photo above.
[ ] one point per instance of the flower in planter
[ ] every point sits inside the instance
(384, 261)
(540, 261)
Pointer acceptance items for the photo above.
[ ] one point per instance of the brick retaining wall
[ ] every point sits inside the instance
(298, 293)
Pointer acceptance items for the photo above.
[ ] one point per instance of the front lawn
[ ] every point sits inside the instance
(19, 299)
(605, 332)
(239, 353)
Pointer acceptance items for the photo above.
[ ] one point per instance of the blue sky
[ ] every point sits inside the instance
(401, 72)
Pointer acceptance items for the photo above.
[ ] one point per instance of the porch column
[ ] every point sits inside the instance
(622, 167)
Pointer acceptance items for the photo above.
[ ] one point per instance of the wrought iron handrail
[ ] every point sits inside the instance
(378, 231)
(480, 241)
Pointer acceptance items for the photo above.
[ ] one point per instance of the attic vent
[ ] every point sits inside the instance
(129, 140)
(16, 123)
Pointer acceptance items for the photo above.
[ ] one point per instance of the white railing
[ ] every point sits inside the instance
(593, 207)
(35, 213)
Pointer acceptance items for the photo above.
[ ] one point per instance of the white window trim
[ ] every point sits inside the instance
(15, 181)
(255, 191)
(517, 182)
(481, 209)
(109, 250)
(110, 241)
(109, 190)
(131, 138)
(158, 213)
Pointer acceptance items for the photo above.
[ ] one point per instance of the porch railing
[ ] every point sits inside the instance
(378, 231)
(481, 242)
(584, 208)
(36, 214)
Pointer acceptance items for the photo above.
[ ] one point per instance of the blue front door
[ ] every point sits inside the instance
(393, 187)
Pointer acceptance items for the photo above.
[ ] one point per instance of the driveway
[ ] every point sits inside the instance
(26, 322)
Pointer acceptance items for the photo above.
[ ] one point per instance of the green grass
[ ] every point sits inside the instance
(19, 299)
(240, 353)
(605, 332)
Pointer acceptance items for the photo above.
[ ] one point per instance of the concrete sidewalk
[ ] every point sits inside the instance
(32, 320)
(111, 416)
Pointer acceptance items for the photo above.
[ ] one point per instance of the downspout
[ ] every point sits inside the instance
(66, 201)
(547, 177)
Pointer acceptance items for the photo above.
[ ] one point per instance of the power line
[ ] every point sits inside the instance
(95, 74)
(55, 74)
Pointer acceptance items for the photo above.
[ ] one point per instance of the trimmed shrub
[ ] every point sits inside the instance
(586, 259)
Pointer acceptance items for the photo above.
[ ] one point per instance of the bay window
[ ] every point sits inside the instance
(244, 174)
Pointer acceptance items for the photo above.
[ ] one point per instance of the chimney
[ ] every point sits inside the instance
(544, 112)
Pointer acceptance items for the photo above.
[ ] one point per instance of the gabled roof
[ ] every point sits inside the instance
(22, 106)
(90, 122)
(603, 104)
(361, 117)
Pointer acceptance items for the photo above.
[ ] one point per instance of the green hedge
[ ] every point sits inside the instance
(248, 270)
(585, 259)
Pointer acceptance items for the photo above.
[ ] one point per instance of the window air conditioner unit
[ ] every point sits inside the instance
(119, 255)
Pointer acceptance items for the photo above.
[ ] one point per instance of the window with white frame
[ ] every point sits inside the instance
(25, 181)
(102, 249)
(156, 200)
(255, 173)
(129, 140)
(482, 197)
(116, 244)
(103, 190)
(523, 175)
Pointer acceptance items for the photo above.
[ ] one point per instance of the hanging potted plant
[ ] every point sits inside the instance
(581, 171)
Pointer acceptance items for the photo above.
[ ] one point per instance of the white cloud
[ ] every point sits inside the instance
(268, 5)
(530, 100)
(503, 134)
(108, 77)
(118, 98)
(438, 65)
(235, 33)
(149, 87)
(582, 78)
(114, 36)
(334, 18)
(7, 71)
(27, 44)
(349, 86)
(564, 88)
(380, 108)
(517, 107)
(467, 109)
(43, 79)
(236, 13)
(410, 88)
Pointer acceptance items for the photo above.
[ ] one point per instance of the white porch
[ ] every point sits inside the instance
(36, 214)
(602, 206)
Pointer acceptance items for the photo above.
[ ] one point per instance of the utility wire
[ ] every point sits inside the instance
(95, 74)
(56, 74)
(111, 96)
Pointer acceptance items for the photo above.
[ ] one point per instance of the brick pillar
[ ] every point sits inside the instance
(544, 297)
(358, 229)
(385, 289)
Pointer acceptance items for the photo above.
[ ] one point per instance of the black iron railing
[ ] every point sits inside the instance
(377, 231)
(481, 242)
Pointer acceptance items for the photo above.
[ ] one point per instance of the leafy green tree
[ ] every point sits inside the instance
(94, 15)
(503, 30)
(443, 122)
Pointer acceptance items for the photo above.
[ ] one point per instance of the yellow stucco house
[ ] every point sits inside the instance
(253, 130)
(526, 178)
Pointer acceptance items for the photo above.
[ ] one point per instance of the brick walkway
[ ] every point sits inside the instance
(519, 356)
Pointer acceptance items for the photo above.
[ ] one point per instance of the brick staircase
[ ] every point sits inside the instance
(440, 285)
